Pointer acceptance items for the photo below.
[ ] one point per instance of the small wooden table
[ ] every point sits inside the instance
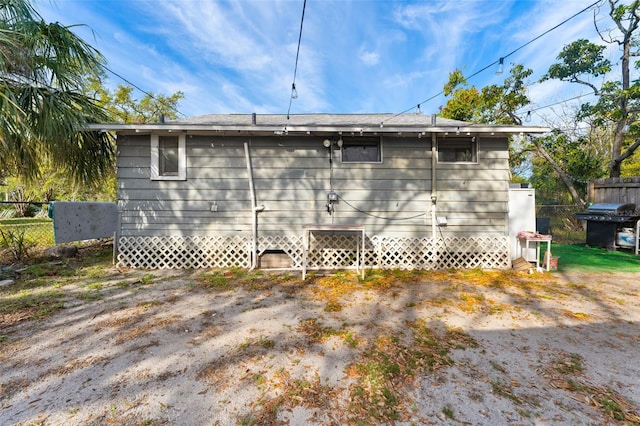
(357, 229)
(537, 239)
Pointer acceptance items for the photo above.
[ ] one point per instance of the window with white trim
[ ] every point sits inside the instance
(361, 149)
(458, 150)
(168, 157)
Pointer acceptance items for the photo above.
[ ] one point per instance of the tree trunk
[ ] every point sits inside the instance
(563, 176)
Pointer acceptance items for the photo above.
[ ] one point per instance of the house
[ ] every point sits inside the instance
(317, 190)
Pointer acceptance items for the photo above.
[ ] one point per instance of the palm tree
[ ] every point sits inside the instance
(43, 70)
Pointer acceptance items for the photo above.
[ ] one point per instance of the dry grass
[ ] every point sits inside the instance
(567, 372)
(385, 364)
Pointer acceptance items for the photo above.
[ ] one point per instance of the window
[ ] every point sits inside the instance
(168, 157)
(458, 150)
(361, 150)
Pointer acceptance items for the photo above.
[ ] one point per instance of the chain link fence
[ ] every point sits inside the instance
(562, 223)
(19, 237)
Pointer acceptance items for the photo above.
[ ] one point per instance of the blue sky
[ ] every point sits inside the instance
(355, 56)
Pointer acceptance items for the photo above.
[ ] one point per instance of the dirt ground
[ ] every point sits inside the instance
(450, 348)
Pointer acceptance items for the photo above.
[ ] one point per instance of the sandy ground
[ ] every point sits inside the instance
(564, 350)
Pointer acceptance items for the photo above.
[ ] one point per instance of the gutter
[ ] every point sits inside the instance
(355, 130)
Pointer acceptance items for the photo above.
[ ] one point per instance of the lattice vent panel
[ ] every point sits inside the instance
(175, 252)
(326, 251)
(290, 244)
(450, 252)
(332, 251)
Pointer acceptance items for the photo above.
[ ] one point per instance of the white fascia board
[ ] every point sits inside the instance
(148, 128)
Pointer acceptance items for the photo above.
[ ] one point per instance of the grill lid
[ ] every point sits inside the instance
(612, 208)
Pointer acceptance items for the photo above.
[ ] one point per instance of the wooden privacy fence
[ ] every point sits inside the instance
(615, 190)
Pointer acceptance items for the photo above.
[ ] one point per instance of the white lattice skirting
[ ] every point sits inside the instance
(184, 252)
(324, 252)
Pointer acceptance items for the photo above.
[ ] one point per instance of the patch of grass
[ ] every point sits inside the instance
(389, 368)
(94, 286)
(29, 304)
(350, 339)
(333, 306)
(501, 389)
(143, 306)
(89, 295)
(577, 315)
(566, 371)
(123, 284)
(307, 392)
(448, 412)
(215, 281)
(147, 279)
(471, 302)
(578, 258)
(95, 271)
(36, 270)
(261, 342)
(315, 330)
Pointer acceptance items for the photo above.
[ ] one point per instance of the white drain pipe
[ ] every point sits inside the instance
(434, 194)
(254, 209)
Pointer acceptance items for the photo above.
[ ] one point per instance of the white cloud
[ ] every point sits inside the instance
(369, 57)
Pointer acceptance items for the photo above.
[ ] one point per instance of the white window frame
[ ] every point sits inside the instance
(354, 141)
(155, 158)
(473, 140)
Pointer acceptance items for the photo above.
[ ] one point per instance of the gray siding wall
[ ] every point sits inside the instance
(292, 178)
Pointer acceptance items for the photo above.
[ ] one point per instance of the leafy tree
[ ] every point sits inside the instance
(575, 160)
(55, 184)
(122, 107)
(495, 104)
(43, 69)
(51, 87)
(618, 101)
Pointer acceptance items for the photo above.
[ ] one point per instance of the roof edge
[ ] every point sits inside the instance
(173, 127)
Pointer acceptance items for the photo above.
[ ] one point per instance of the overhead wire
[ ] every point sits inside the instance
(295, 67)
(560, 102)
(149, 94)
(496, 62)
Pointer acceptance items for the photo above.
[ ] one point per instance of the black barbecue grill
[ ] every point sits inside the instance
(604, 220)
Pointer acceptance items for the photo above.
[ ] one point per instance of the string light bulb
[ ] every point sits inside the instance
(500, 69)
(527, 119)
(294, 92)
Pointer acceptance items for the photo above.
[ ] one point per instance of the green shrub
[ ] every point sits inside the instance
(16, 242)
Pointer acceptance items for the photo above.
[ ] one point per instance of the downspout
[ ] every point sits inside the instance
(254, 209)
(434, 194)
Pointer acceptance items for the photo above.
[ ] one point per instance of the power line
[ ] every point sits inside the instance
(497, 62)
(549, 30)
(151, 95)
(294, 92)
(530, 110)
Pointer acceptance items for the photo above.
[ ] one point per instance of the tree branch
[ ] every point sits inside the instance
(627, 153)
(575, 79)
(563, 176)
